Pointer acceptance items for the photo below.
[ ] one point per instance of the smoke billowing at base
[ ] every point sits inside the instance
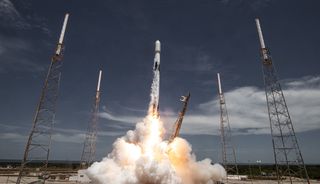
(142, 156)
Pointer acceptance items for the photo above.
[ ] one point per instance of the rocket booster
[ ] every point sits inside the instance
(154, 105)
(156, 66)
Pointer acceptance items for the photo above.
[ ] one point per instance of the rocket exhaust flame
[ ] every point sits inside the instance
(142, 156)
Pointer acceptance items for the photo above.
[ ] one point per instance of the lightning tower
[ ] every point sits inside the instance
(229, 160)
(89, 148)
(178, 123)
(288, 158)
(38, 145)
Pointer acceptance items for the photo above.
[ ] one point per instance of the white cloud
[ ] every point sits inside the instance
(15, 54)
(12, 136)
(10, 16)
(125, 119)
(248, 110)
(307, 81)
(73, 138)
(246, 107)
(57, 137)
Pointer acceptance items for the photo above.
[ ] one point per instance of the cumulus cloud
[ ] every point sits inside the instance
(58, 137)
(248, 110)
(12, 136)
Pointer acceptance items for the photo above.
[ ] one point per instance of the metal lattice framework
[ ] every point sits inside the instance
(178, 123)
(38, 146)
(287, 155)
(89, 147)
(229, 160)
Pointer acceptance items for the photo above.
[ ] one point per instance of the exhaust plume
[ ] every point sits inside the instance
(142, 156)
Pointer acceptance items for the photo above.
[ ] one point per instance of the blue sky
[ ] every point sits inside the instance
(199, 39)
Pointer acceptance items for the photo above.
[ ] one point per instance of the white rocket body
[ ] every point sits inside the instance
(155, 88)
(157, 51)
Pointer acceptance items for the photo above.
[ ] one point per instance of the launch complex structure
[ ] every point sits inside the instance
(178, 123)
(229, 160)
(288, 158)
(287, 154)
(38, 146)
(89, 147)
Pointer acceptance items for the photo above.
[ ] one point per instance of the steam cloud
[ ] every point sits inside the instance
(142, 156)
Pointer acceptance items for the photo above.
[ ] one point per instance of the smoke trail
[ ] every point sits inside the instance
(154, 95)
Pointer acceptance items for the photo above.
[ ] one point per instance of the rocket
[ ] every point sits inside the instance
(154, 105)
(156, 66)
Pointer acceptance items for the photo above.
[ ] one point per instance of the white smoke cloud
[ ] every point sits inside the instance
(141, 157)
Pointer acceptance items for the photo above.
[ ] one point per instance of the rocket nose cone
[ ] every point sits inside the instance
(157, 46)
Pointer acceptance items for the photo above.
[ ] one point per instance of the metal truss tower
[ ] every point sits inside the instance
(37, 149)
(89, 147)
(178, 123)
(229, 160)
(288, 158)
